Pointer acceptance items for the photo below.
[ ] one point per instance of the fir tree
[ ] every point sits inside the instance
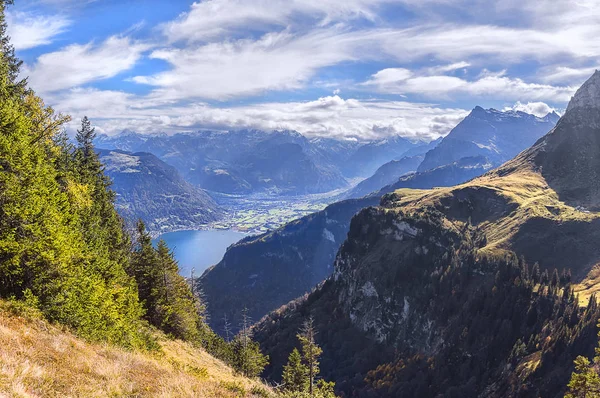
(247, 357)
(585, 382)
(85, 138)
(168, 300)
(295, 373)
(11, 65)
(56, 247)
(310, 352)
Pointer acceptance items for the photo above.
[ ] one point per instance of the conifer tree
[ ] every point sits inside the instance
(168, 300)
(247, 357)
(310, 352)
(295, 373)
(585, 381)
(55, 247)
(85, 138)
(11, 65)
(300, 374)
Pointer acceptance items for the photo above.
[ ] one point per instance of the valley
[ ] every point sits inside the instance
(259, 213)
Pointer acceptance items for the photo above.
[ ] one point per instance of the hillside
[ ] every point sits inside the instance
(39, 359)
(149, 189)
(269, 270)
(437, 275)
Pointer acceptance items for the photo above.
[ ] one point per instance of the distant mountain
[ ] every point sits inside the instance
(483, 140)
(422, 149)
(458, 291)
(337, 152)
(240, 162)
(150, 189)
(499, 136)
(386, 175)
(445, 176)
(370, 156)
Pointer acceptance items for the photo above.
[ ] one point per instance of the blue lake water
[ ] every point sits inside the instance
(199, 249)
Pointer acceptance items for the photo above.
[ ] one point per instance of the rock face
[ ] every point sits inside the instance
(569, 157)
(588, 95)
(499, 136)
(390, 273)
(149, 189)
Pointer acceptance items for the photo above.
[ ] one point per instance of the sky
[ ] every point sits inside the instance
(343, 69)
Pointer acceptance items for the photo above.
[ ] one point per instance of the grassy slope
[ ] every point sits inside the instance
(40, 360)
(520, 208)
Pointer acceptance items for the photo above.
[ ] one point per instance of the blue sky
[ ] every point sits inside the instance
(336, 68)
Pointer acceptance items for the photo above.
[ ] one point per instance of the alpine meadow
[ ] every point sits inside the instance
(300, 199)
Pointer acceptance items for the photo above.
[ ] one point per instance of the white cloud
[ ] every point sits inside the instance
(561, 74)
(77, 64)
(276, 61)
(454, 43)
(448, 68)
(211, 19)
(287, 61)
(488, 85)
(28, 30)
(226, 49)
(535, 108)
(330, 116)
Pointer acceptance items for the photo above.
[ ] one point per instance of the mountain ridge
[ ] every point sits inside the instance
(153, 191)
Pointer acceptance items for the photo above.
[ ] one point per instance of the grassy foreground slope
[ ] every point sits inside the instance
(40, 360)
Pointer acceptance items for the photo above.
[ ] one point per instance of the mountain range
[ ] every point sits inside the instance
(455, 291)
(267, 271)
(277, 162)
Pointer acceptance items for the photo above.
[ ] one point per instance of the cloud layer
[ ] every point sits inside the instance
(395, 66)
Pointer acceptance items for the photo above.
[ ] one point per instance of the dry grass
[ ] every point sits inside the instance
(525, 188)
(40, 360)
(589, 286)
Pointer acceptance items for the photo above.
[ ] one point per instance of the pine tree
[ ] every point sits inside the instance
(585, 381)
(11, 65)
(247, 357)
(295, 373)
(56, 248)
(168, 300)
(85, 138)
(226, 328)
(310, 352)
(300, 374)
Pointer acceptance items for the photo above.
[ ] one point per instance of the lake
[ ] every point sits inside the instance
(199, 249)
